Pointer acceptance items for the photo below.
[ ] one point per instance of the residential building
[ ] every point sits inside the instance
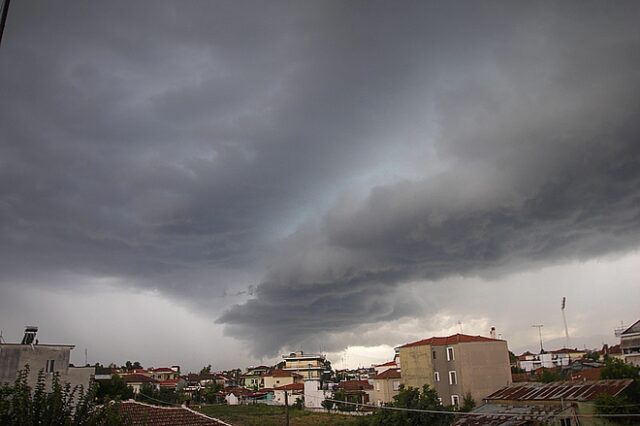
(356, 391)
(309, 366)
(253, 377)
(165, 373)
(386, 385)
(381, 368)
(614, 352)
(559, 358)
(555, 403)
(293, 390)
(51, 359)
(137, 381)
(456, 365)
(278, 378)
(630, 344)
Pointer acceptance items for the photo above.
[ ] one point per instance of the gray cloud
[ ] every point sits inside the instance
(544, 167)
(203, 148)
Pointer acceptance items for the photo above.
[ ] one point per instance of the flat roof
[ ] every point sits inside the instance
(49, 345)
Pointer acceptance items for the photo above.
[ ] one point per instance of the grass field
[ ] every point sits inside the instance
(265, 415)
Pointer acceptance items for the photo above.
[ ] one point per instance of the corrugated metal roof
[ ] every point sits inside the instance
(568, 391)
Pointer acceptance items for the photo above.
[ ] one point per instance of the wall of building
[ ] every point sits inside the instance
(383, 391)
(483, 368)
(14, 357)
(417, 369)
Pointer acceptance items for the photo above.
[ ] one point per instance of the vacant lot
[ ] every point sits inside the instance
(265, 415)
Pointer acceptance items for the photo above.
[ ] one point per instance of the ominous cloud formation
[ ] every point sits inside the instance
(314, 156)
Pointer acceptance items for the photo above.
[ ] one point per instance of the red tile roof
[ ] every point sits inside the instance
(291, 386)
(450, 340)
(392, 373)
(169, 383)
(568, 391)
(163, 370)
(567, 351)
(386, 364)
(283, 373)
(151, 415)
(351, 385)
(137, 378)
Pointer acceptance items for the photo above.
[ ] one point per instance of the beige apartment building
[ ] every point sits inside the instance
(386, 385)
(309, 366)
(456, 365)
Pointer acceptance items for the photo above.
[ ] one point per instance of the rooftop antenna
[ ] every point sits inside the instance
(86, 362)
(1, 338)
(619, 330)
(460, 325)
(564, 318)
(539, 327)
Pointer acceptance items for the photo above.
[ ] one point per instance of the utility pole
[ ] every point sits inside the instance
(539, 327)
(3, 18)
(564, 318)
(286, 408)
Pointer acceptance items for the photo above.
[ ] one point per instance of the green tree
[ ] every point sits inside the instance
(61, 405)
(327, 404)
(617, 369)
(549, 376)
(592, 355)
(205, 370)
(620, 404)
(414, 398)
(209, 392)
(113, 389)
(468, 403)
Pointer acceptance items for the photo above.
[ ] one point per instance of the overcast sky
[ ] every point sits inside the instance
(219, 182)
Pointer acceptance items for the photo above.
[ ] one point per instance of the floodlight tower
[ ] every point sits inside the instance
(539, 327)
(564, 318)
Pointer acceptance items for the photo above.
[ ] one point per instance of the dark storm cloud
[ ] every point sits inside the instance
(544, 167)
(170, 144)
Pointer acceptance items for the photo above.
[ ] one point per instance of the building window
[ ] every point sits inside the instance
(455, 400)
(565, 422)
(50, 366)
(433, 354)
(440, 401)
(396, 385)
(453, 378)
(436, 377)
(450, 354)
(378, 386)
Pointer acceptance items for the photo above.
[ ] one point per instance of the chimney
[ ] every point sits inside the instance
(29, 335)
(492, 333)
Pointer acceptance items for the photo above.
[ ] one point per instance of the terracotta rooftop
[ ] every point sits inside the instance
(137, 378)
(387, 364)
(282, 373)
(352, 385)
(568, 391)
(291, 386)
(152, 415)
(450, 340)
(392, 373)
